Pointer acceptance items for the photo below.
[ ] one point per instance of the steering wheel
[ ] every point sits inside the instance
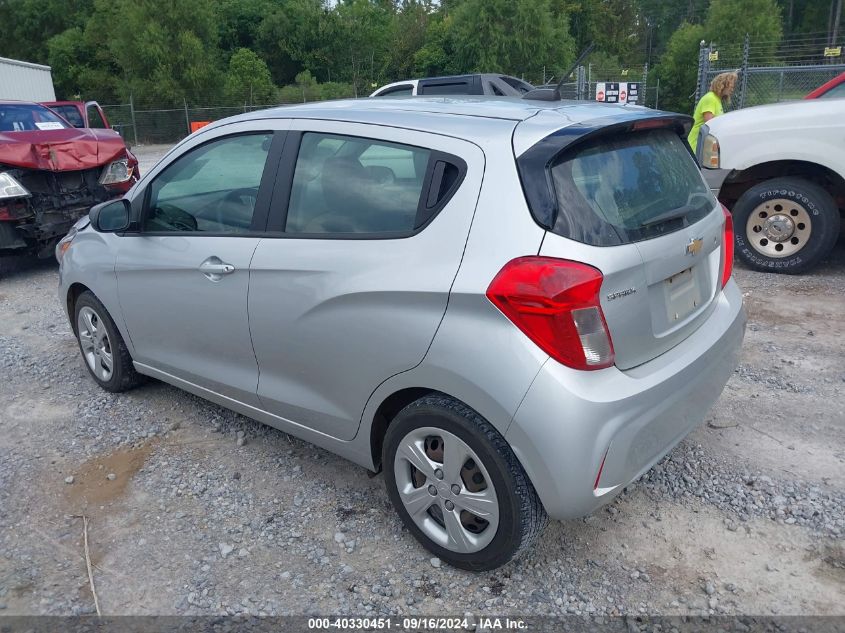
(236, 207)
(174, 218)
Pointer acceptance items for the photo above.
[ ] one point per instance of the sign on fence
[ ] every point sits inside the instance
(618, 92)
(607, 92)
(832, 51)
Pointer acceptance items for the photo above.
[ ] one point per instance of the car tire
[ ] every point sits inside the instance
(477, 469)
(785, 225)
(102, 345)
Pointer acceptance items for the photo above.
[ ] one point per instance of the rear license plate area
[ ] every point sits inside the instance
(682, 294)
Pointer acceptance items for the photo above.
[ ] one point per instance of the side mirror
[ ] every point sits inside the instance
(111, 217)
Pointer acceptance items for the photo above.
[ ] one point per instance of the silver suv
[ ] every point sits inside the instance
(512, 308)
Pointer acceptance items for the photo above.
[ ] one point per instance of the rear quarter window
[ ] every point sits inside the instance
(627, 188)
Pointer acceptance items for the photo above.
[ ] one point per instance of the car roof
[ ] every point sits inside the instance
(482, 75)
(459, 115)
(57, 103)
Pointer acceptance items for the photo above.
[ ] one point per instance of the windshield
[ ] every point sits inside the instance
(628, 188)
(28, 117)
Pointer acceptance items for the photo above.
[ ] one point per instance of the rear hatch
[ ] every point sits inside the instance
(630, 201)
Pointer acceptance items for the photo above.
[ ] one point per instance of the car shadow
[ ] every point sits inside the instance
(14, 265)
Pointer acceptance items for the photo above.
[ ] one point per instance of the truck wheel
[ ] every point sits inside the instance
(458, 486)
(785, 225)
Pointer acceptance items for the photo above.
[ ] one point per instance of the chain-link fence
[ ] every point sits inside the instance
(769, 71)
(167, 125)
(145, 126)
(587, 80)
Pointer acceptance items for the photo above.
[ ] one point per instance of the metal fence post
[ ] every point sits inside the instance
(746, 48)
(644, 84)
(187, 118)
(132, 114)
(582, 79)
(702, 71)
(657, 95)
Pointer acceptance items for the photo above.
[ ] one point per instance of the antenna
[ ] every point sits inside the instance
(553, 94)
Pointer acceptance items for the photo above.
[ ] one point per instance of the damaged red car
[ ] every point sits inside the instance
(51, 174)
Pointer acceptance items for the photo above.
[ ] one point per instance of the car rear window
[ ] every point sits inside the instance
(71, 114)
(628, 188)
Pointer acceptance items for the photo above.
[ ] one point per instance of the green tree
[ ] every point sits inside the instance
(660, 19)
(295, 35)
(518, 37)
(77, 71)
(163, 52)
(728, 21)
(248, 80)
(678, 68)
(27, 25)
(239, 22)
(435, 56)
(362, 45)
(408, 33)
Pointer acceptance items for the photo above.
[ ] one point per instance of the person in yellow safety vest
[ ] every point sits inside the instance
(710, 105)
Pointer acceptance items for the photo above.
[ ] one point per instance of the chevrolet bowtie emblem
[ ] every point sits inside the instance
(694, 246)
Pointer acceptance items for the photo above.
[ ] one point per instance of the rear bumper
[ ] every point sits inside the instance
(570, 421)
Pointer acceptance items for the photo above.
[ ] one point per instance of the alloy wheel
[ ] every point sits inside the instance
(95, 343)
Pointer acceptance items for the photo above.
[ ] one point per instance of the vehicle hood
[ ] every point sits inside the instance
(774, 117)
(811, 131)
(68, 149)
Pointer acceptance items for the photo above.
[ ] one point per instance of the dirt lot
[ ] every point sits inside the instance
(745, 516)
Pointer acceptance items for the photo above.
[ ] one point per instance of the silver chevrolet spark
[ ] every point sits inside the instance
(512, 308)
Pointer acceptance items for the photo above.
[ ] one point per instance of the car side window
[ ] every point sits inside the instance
(211, 189)
(95, 119)
(345, 184)
(405, 90)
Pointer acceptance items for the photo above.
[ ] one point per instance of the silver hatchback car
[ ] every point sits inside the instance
(512, 308)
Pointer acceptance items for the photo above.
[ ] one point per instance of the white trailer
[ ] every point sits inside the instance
(25, 81)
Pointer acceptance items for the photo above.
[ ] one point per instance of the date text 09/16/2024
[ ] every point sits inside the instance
(417, 623)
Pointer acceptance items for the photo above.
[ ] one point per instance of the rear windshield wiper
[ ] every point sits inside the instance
(675, 214)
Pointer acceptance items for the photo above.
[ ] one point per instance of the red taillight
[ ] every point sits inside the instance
(13, 210)
(555, 302)
(727, 247)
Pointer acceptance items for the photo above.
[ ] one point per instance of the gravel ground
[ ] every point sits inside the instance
(149, 155)
(196, 510)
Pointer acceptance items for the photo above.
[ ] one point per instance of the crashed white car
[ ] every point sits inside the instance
(781, 170)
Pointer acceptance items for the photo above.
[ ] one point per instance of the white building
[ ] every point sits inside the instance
(25, 81)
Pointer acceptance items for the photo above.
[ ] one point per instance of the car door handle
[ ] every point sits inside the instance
(214, 269)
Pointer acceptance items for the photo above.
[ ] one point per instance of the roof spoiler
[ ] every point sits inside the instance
(553, 94)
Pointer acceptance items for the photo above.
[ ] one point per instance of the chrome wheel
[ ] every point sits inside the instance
(446, 490)
(778, 228)
(95, 343)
